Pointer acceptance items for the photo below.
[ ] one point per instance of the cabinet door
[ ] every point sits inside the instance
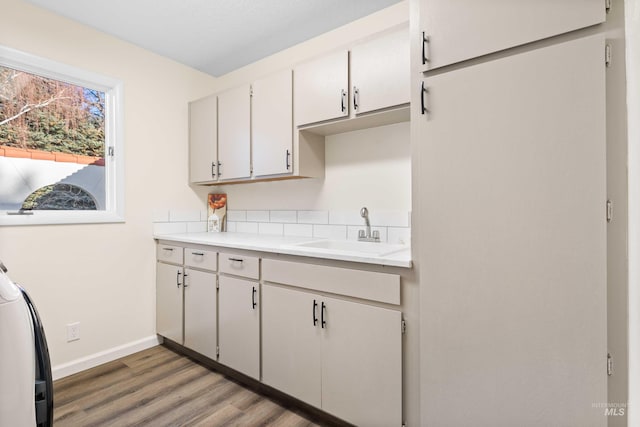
(203, 139)
(291, 343)
(234, 119)
(465, 29)
(272, 124)
(239, 325)
(200, 319)
(321, 89)
(513, 239)
(380, 72)
(362, 363)
(169, 282)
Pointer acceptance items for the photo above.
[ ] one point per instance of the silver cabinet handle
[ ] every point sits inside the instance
(287, 160)
(178, 279)
(167, 249)
(197, 253)
(213, 169)
(236, 259)
(219, 173)
(343, 98)
(184, 280)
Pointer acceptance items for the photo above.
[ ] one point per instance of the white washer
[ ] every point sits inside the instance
(17, 358)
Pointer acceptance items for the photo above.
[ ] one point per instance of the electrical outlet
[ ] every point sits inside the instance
(73, 331)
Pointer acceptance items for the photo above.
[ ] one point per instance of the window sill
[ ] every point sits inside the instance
(61, 217)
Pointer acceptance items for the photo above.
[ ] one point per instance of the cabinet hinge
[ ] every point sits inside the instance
(217, 283)
(607, 55)
(607, 5)
(403, 326)
(217, 352)
(111, 151)
(609, 364)
(609, 210)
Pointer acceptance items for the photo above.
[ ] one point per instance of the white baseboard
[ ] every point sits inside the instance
(96, 359)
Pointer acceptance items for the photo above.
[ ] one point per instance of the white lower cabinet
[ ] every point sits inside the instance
(239, 325)
(186, 298)
(344, 357)
(291, 357)
(169, 301)
(200, 314)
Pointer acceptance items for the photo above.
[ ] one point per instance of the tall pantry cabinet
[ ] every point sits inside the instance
(509, 201)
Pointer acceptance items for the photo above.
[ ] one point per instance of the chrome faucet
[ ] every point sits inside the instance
(365, 235)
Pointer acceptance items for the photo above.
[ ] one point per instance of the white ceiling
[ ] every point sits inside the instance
(214, 36)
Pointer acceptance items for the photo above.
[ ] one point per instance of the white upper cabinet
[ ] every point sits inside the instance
(272, 124)
(203, 139)
(234, 143)
(458, 30)
(321, 89)
(380, 72)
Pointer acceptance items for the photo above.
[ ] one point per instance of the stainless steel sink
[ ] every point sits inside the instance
(352, 246)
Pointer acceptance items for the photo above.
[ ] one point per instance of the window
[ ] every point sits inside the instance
(60, 143)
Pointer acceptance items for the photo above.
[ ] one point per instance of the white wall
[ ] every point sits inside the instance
(370, 167)
(103, 275)
(632, 15)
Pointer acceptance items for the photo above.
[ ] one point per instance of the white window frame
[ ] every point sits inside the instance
(114, 164)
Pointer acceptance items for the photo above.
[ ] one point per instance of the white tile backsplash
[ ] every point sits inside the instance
(169, 227)
(298, 230)
(197, 227)
(346, 218)
(284, 216)
(313, 217)
(338, 232)
(247, 227)
(270, 228)
(393, 226)
(258, 216)
(233, 215)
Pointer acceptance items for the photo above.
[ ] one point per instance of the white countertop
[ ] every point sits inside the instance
(288, 246)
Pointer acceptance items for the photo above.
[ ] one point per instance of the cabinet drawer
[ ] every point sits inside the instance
(171, 254)
(374, 286)
(199, 258)
(239, 265)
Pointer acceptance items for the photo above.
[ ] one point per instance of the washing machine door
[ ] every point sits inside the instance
(17, 358)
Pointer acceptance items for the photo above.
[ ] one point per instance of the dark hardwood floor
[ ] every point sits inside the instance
(158, 387)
